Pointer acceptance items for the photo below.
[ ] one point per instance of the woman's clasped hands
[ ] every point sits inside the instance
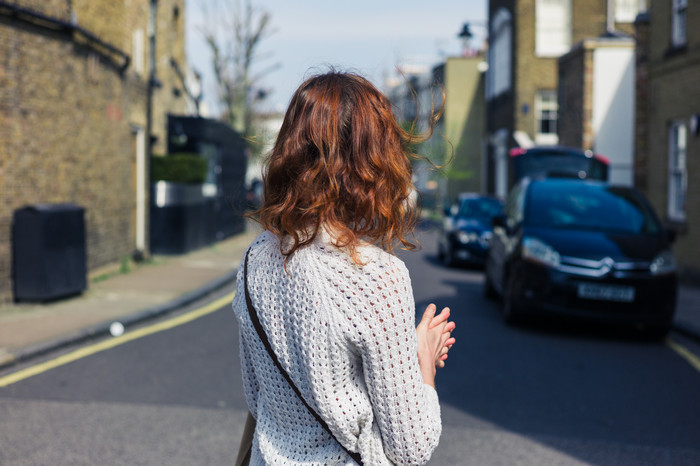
(434, 341)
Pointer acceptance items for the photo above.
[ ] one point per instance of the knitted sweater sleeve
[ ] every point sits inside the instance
(406, 409)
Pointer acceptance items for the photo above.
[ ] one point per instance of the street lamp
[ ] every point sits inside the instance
(466, 35)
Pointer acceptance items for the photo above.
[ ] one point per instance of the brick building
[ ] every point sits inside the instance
(596, 97)
(668, 121)
(526, 38)
(73, 95)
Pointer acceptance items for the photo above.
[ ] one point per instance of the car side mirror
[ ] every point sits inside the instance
(671, 235)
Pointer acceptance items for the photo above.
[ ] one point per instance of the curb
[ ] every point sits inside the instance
(23, 354)
(688, 330)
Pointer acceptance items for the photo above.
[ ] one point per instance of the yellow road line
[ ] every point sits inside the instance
(116, 341)
(684, 353)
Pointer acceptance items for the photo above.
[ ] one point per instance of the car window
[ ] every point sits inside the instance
(591, 207)
(514, 206)
(481, 208)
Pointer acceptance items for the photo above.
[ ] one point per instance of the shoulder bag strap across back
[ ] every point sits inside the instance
(263, 337)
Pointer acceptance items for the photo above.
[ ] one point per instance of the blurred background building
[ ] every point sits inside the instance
(74, 113)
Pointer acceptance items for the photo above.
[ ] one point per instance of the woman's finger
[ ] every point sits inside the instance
(443, 316)
(428, 315)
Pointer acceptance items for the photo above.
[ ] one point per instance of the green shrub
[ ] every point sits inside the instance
(179, 168)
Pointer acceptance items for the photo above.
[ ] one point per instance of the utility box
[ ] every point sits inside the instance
(48, 252)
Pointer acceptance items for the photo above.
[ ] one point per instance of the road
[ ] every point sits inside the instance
(534, 395)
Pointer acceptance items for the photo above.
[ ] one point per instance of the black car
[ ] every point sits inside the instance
(467, 229)
(582, 248)
(559, 161)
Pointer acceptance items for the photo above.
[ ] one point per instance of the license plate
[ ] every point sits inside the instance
(606, 292)
(464, 255)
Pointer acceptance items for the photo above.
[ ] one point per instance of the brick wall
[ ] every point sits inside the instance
(170, 43)
(66, 118)
(674, 95)
(59, 9)
(533, 73)
(106, 19)
(65, 140)
(572, 97)
(642, 102)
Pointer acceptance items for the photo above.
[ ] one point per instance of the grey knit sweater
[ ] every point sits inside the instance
(346, 335)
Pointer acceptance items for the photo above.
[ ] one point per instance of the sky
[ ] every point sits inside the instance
(365, 36)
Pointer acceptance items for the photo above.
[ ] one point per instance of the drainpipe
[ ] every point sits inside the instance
(145, 181)
(610, 26)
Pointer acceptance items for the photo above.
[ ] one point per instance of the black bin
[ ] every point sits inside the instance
(48, 249)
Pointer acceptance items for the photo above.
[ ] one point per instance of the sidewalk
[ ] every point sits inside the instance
(170, 282)
(147, 291)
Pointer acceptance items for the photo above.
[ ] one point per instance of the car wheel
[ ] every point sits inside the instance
(489, 290)
(447, 258)
(510, 311)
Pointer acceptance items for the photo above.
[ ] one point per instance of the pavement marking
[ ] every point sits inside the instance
(115, 341)
(684, 353)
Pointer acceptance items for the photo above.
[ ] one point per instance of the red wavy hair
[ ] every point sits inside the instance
(340, 161)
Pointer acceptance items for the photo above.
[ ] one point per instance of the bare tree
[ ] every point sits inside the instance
(233, 32)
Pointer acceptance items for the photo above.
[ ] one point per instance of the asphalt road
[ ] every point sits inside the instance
(535, 395)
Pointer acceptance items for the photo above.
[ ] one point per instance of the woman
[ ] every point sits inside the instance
(336, 306)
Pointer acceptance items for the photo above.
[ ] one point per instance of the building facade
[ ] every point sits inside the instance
(73, 115)
(463, 124)
(526, 38)
(596, 101)
(668, 119)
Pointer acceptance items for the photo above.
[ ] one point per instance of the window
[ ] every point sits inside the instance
(626, 11)
(678, 22)
(552, 27)
(546, 114)
(677, 172)
(500, 53)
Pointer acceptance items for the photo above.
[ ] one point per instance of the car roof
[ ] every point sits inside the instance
(576, 182)
(577, 150)
(471, 195)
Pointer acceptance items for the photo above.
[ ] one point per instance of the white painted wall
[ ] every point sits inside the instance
(613, 110)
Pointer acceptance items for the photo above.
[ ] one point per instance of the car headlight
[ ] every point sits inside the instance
(467, 237)
(486, 238)
(663, 263)
(535, 250)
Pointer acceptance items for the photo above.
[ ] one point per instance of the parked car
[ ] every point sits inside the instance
(559, 161)
(466, 230)
(582, 248)
(254, 195)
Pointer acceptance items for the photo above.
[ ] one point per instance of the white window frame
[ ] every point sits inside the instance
(553, 28)
(677, 170)
(626, 11)
(500, 54)
(678, 23)
(546, 102)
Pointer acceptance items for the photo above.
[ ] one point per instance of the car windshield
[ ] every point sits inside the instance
(551, 163)
(589, 207)
(482, 208)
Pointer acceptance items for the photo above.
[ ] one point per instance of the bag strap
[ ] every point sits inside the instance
(263, 337)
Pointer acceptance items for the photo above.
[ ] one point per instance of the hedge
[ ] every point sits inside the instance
(179, 168)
